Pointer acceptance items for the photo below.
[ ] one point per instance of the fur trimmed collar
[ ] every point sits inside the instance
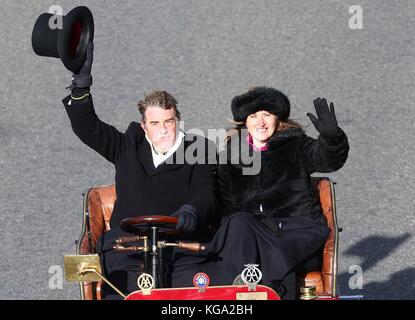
(287, 134)
(237, 148)
(278, 136)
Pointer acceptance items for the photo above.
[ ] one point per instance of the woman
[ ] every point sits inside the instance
(271, 215)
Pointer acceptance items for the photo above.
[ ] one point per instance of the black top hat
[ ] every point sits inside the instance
(68, 43)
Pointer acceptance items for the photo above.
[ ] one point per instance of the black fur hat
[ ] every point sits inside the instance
(260, 98)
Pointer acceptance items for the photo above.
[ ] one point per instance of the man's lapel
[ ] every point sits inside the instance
(175, 161)
(144, 154)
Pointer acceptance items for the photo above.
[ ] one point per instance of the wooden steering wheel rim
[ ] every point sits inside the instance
(131, 223)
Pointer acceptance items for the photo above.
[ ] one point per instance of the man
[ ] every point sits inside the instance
(151, 177)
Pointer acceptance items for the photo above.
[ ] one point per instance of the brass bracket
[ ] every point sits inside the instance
(86, 268)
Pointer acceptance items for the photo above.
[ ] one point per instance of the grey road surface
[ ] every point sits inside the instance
(206, 52)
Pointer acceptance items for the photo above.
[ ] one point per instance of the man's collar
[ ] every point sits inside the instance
(159, 158)
(179, 137)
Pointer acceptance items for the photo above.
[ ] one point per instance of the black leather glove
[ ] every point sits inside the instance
(326, 123)
(83, 79)
(188, 219)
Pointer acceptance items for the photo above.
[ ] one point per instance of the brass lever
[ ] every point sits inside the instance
(127, 240)
(121, 248)
(121, 242)
(191, 246)
(86, 270)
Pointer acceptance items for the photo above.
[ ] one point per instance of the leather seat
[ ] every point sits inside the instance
(325, 280)
(99, 203)
(97, 211)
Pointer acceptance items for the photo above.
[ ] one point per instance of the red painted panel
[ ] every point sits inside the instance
(210, 293)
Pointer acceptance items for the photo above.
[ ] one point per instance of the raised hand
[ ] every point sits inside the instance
(83, 79)
(326, 122)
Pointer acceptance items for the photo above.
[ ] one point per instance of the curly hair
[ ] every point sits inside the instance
(161, 99)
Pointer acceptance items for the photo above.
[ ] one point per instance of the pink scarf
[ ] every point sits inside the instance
(250, 141)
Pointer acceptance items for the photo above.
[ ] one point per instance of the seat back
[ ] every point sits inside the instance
(326, 279)
(97, 210)
(99, 203)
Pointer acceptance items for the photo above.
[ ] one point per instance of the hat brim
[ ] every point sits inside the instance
(73, 39)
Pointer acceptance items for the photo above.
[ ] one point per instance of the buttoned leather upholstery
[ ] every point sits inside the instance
(325, 280)
(98, 206)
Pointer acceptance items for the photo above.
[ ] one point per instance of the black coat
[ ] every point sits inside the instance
(272, 218)
(282, 188)
(142, 189)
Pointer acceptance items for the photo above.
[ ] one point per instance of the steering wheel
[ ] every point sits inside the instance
(142, 225)
(152, 226)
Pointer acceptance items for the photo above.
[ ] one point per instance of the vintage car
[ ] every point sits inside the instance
(98, 203)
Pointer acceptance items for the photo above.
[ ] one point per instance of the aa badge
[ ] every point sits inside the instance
(145, 282)
(251, 276)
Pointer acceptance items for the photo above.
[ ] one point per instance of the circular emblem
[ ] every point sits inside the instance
(145, 281)
(251, 275)
(201, 280)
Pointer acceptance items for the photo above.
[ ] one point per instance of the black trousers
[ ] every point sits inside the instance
(281, 247)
